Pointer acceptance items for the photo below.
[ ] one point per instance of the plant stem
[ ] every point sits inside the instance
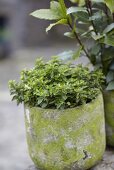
(106, 12)
(113, 16)
(79, 41)
(90, 12)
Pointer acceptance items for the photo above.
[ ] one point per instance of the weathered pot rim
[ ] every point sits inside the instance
(68, 109)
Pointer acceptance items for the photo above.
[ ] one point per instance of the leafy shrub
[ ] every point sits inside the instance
(91, 20)
(56, 85)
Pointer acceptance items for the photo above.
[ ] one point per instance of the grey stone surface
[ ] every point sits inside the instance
(108, 161)
(32, 167)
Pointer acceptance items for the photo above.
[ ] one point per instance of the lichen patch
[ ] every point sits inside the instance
(27, 113)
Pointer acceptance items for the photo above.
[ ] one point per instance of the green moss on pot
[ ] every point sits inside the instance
(66, 139)
(109, 116)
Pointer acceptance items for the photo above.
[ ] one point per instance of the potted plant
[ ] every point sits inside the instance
(64, 114)
(91, 20)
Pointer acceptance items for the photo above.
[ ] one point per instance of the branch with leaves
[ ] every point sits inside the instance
(90, 20)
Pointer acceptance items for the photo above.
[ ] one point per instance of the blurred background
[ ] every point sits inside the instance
(22, 40)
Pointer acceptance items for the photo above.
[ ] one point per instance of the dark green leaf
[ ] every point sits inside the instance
(44, 105)
(97, 16)
(109, 28)
(112, 65)
(109, 40)
(110, 76)
(82, 16)
(95, 49)
(40, 100)
(110, 86)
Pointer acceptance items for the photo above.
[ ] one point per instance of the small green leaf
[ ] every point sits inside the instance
(107, 57)
(47, 14)
(14, 98)
(110, 86)
(97, 16)
(82, 16)
(109, 40)
(62, 21)
(87, 33)
(70, 55)
(109, 28)
(110, 4)
(112, 66)
(63, 7)
(54, 5)
(77, 53)
(94, 50)
(54, 13)
(97, 37)
(69, 34)
(76, 9)
(44, 105)
(110, 76)
(108, 54)
(40, 100)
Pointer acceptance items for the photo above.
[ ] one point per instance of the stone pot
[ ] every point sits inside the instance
(71, 139)
(109, 116)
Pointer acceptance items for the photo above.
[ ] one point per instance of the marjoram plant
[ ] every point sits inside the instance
(92, 20)
(56, 85)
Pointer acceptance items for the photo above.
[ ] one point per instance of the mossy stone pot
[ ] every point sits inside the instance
(71, 139)
(109, 116)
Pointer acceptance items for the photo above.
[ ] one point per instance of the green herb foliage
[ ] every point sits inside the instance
(56, 85)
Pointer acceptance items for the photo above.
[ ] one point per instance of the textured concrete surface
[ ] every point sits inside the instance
(13, 148)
